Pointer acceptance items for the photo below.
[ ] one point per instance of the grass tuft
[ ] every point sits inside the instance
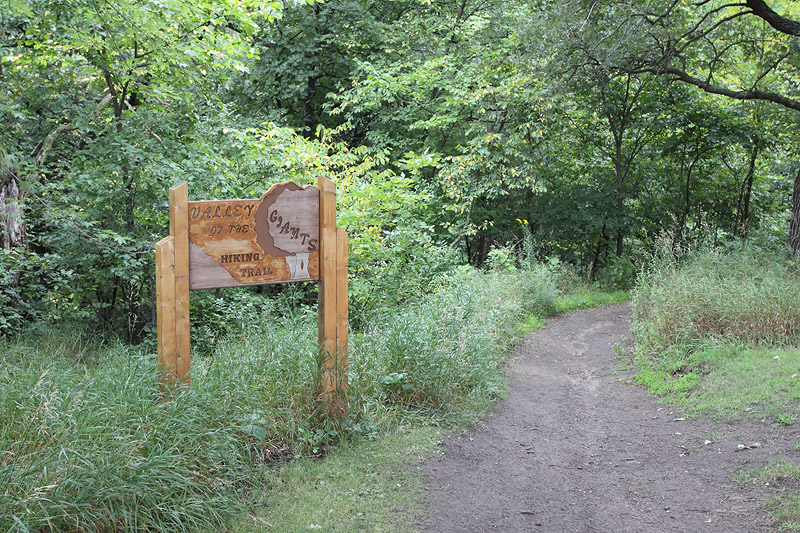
(331, 494)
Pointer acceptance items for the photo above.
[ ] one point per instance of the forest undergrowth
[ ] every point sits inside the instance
(90, 444)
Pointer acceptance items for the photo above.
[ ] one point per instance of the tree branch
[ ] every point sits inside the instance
(782, 24)
(750, 94)
(47, 144)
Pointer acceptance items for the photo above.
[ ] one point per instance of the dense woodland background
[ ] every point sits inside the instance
(581, 129)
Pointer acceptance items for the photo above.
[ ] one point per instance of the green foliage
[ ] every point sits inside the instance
(444, 125)
(618, 273)
(33, 288)
(220, 313)
(500, 259)
(394, 253)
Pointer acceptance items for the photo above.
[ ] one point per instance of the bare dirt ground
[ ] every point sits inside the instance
(576, 446)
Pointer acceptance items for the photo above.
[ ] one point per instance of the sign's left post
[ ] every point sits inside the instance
(172, 290)
(165, 309)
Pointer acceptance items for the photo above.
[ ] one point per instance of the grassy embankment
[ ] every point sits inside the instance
(370, 485)
(719, 333)
(88, 443)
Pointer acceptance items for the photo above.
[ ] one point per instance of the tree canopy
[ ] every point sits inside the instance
(581, 130)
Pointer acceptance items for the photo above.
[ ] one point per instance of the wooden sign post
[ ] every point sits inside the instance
(287, 235)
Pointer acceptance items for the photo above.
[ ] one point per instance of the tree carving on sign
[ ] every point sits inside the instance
(283, 230)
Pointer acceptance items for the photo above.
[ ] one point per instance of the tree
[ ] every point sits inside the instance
(740, 50)
(451, 88)
(97, 96)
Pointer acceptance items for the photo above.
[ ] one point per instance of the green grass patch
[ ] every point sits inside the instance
(587, 297)
(364, 485)
(740, 296)
(778, 471)
(531, 324)
(784, 508)
(717, 331)
(728, 381)
(759, 381)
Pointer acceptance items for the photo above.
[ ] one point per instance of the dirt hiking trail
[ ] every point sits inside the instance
(576, 446)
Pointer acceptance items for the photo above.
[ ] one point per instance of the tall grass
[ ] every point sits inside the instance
(736, 295)
(442, 357)
(88, 443)
(93, 447)
(718, 330)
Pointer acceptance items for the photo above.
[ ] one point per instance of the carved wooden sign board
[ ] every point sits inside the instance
(287, 235)
(274, 239)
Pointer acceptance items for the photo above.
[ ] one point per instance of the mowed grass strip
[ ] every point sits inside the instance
(364, 485)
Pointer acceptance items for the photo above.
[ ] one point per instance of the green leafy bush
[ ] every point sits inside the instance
(33, 287)
(618, 273)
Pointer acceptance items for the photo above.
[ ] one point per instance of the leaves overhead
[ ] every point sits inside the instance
(444, 123)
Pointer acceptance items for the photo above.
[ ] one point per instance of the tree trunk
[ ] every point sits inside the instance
(794, 223)
(748, 191)
(12, 213)
(12, 222)
(603, 239)
(618, 190)
(480, 251)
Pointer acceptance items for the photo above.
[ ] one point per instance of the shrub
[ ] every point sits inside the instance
(32, 288)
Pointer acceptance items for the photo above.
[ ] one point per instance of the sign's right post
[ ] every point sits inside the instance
(332, 307)
(342, 321)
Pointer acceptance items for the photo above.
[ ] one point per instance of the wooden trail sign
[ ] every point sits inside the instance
(275, 239)
(287, 235)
